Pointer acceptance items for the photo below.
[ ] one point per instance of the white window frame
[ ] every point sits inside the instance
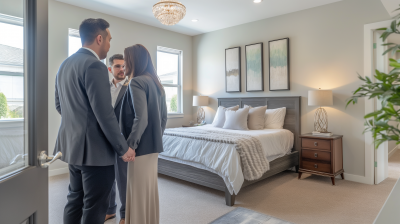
(17, 21)
(75, 33)
(179, 114)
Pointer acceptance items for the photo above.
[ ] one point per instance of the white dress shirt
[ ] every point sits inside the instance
(92, 52)
(115, 90)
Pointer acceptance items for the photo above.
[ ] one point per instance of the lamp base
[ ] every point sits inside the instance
(321, 120)
(200, 115)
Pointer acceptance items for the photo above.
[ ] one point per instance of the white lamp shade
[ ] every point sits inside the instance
(200, 101)
(320, 98)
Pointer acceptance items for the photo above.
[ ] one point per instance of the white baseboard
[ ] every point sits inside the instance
(355, 178)
(393, 151)
(56, 172)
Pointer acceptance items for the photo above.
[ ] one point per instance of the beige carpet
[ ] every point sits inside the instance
(310, 200)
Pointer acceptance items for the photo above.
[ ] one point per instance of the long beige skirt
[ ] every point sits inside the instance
(142, 204)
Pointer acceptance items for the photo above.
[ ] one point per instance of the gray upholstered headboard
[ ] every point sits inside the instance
(292, 104)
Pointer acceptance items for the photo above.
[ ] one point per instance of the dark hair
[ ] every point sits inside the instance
(138, 62)
(115, 56)
(91, 28)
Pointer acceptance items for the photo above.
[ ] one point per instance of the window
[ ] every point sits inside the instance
(169, 69)
(11, 67)
(13, 126)
(74, 42)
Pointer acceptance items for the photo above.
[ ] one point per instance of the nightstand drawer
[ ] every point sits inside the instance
(315, 143)
(316, 166)
(313, 154)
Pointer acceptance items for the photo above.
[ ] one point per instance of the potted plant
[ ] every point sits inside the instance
(386, 89)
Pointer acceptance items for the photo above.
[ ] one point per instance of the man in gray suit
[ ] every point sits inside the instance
(118, 89)
(89, 135)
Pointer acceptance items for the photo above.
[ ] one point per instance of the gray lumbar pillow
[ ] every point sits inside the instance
(219, 119)
(256, 117)
(236, 120)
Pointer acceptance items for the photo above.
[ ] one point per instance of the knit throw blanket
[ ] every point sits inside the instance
(254, 162)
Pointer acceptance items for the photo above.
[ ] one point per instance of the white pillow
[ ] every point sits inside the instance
(219, 119)
(236, 120)
(274, 118)
(256, 118)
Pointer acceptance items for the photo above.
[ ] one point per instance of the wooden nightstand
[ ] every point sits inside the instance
(321, 155)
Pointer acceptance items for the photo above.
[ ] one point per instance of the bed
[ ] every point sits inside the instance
(195, 160)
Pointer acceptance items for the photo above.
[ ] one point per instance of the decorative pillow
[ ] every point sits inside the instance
(256, 117)
(236, 120)
(219, 118)
(274, 118)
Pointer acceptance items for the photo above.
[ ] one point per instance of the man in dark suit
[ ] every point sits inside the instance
(118, 89)
(89, 135)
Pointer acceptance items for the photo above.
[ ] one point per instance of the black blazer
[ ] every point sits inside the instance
(143, 116)
(89, 134)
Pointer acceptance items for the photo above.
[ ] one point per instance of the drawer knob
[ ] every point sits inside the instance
(315, 165)
(315, 154)
(315, 143)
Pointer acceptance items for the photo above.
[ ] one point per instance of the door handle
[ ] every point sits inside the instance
(45, 160)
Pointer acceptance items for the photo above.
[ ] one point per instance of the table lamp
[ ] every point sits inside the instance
(200, 101)
(320, 98)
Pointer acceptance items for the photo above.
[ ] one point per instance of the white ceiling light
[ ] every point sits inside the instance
(257, 1)
(195, 20)
(169, 12)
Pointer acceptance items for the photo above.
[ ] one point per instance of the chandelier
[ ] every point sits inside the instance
(169, 12)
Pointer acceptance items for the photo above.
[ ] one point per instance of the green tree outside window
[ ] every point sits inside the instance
(3, 106)
(174, 103)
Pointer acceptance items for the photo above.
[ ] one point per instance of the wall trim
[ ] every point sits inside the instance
(59, 171)
(355, 178)
(393, 151)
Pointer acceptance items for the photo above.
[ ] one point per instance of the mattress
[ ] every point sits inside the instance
(222, 158)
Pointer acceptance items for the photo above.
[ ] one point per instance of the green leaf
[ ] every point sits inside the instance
(388, 44)
(393, 25)
(373, 114)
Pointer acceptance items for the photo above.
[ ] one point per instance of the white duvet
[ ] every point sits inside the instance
(222, 158)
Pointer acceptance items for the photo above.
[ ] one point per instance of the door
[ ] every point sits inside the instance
(23, 111)
(381, 62)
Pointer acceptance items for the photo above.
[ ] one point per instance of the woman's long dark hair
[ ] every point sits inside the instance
(138, 62)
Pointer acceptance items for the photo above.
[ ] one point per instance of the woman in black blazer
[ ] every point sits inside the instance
(142, 121)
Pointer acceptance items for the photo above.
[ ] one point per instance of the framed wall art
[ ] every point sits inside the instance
(279, 65)
(232, 70)
(254, 67)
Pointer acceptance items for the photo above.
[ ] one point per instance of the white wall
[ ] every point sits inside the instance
(124, 33)
(326, 51)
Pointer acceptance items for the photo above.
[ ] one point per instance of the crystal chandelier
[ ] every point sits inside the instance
(169, 12)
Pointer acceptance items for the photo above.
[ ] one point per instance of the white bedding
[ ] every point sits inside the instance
(222, 158)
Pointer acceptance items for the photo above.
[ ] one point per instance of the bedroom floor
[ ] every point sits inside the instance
(310, 200)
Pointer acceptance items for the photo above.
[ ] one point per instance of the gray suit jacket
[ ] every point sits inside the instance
(89, 134)
(143, 116)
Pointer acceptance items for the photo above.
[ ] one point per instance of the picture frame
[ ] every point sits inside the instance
(254, 67)
(233, 83)
(279, 64)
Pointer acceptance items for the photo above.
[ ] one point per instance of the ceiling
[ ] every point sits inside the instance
(212, 14)
(391, 5)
